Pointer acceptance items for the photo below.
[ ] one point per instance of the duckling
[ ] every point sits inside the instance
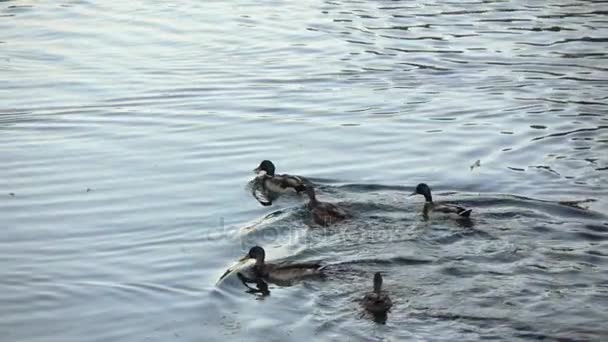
(283, 275)
(323, 213)
(425, 190)
(378, 301)
(268, 186)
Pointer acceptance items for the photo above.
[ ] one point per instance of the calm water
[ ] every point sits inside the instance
(129, 129)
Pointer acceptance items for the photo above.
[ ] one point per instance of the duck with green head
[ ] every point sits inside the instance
(268, 186)
(279, 274)
(323, 213)
(446, 208)
(377, 301)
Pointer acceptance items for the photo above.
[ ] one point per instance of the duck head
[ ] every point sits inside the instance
(266, 166)
(424, 190)
(377, 282)
(256, 253)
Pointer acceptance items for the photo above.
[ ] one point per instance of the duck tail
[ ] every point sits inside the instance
(465, 213)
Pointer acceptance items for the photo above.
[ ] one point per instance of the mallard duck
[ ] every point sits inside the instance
(323, 213)
(378, 301)
(425, 190)
(279, 274)
(268, 186)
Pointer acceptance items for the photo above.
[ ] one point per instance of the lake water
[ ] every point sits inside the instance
(129, 129)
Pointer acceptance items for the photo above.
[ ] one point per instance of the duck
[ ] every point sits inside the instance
(446, 208)
(278, 274)
(268, 186)
(377, 301)
(323, 213)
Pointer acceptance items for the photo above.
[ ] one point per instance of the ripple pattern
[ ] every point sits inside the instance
(128, 131)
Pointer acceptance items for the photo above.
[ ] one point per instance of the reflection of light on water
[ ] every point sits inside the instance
(162, 109)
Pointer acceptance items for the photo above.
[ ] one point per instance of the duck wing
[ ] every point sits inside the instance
(295, 182)
(377, 302)
(285, 274)
(334, 210)
(260, 192)
(281, 183)
(327, 213)
(454, 209)
(337, 211)
(306, 265)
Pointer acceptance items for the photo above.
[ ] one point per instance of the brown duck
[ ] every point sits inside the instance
(323, 213)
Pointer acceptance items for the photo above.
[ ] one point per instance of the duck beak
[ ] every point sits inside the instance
(246, 257)
(413, 193)
(256, 170)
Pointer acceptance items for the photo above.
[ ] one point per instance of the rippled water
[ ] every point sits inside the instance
(128, 131)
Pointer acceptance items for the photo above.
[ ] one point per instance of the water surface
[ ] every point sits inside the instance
(128, 131)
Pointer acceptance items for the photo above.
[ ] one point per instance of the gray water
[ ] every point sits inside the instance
(129, 129)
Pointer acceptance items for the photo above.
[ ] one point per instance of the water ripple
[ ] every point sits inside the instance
(130, 129)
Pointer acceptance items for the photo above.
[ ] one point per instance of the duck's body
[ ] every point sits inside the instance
(279, 274)
(445, 208)
(323, 213)
(286, 274)
(378, 301)
(268, 186)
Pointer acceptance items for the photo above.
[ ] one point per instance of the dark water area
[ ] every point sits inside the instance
(128, 132)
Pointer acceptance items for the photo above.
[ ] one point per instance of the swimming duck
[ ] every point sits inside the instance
(268, 186)
(425, 190)
(378, 301)
(278, 274)
(323, 213)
